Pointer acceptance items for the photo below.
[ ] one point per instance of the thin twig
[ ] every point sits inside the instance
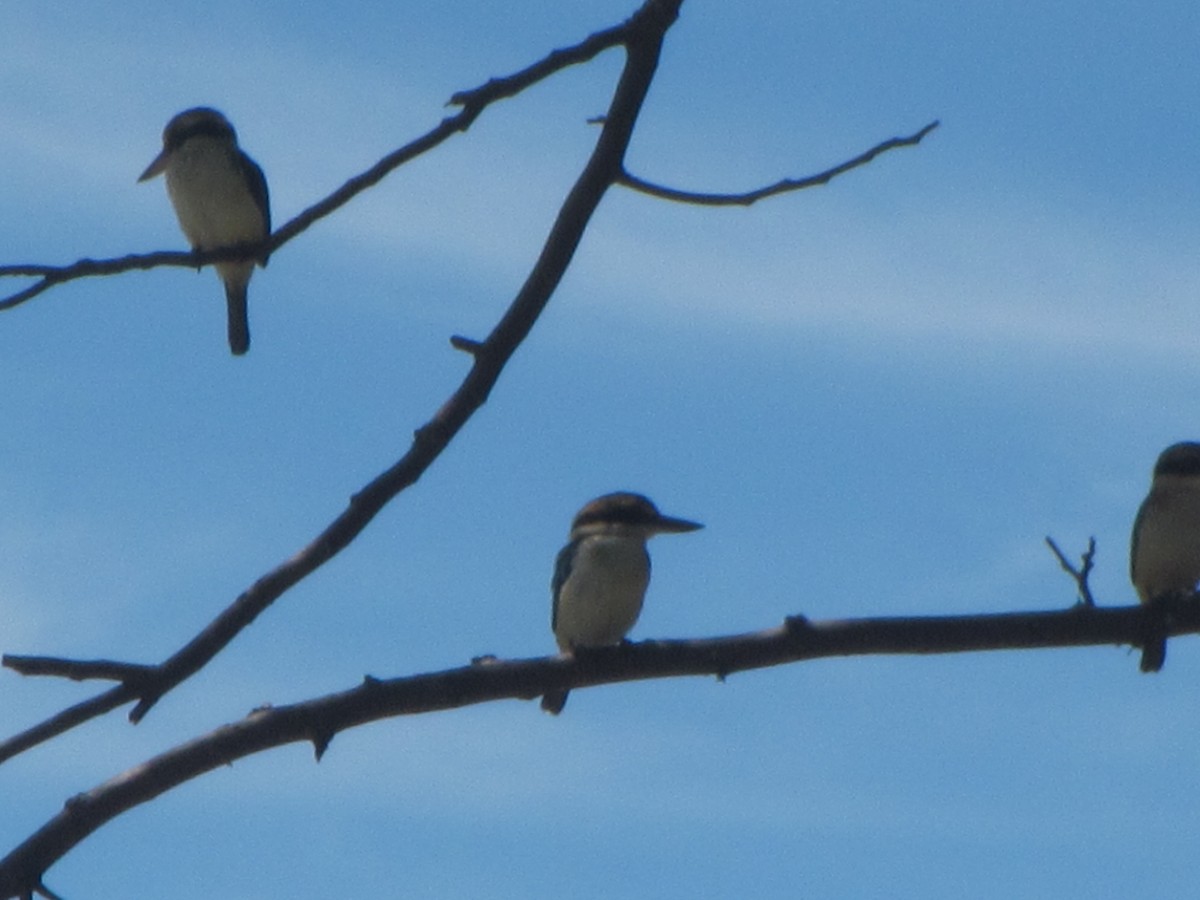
(780, 187)
(465, 344)
(42, 891)
(1081, 574)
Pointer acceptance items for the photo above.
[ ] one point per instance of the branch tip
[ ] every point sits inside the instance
(465, 344)
(321, 742)
(131, 674)
(785, 185)
(142, 707)
(1080, 575)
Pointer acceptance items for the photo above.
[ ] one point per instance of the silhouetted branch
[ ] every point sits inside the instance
(1081, 574)
(465, 344)
(67, 719)
(317, 721)
(76, 670)
(780, 187)
(642, 35)
(42, 891)
(473, 102)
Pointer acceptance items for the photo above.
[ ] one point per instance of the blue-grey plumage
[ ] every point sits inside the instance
(220, 198)
(601, 575)
(1164, 556)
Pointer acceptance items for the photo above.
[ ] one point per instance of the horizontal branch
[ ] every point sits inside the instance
(76, 669)
(779, 187)
(318, 721)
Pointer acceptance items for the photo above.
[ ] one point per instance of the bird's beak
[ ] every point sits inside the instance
(671, 525)
(156, 167)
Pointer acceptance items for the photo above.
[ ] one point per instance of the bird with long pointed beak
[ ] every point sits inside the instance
(220, 198)
(1164, 558)
(601, 575)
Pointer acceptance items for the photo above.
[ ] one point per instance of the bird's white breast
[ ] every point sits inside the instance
(602, 597)
(208, 189)
(1167, 549)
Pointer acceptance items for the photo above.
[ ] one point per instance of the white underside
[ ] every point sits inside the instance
(214, 206)
(602, 598)
(1167, 551)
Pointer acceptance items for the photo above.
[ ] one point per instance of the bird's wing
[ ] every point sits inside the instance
(257, 182)
(1133, 543)
(562, 568)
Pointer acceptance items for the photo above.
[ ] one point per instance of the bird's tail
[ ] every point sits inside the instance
(235, 299)
(554, 702)
(1154, 635)
(1154, 654)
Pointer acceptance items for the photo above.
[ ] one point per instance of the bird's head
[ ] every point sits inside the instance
(201, 121)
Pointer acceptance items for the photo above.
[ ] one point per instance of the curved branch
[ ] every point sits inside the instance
(318, 721)
(473, 102)
(643, 36)
(780, 187)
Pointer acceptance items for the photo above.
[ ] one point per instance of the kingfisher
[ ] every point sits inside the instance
(600, 576)
(1164, 558)
(220, 198)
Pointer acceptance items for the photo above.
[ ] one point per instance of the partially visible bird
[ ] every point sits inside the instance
(220, 198)
(1164, 558)
(600, 576)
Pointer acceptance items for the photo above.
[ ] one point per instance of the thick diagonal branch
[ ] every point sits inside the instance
(643, 34)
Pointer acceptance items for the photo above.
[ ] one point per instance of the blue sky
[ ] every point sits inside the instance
(879, 396)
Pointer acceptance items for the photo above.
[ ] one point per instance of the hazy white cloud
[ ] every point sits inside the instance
(955, 278)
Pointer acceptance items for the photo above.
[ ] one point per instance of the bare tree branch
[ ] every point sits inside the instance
(1081, 574)
(473, 102)
(67, 719)
(780, 187)
(42, 891)
(642, 36)
(317, 721)
(75, 669)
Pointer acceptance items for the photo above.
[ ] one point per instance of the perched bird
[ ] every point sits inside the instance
(1164, 558)
(220, 198)
(600, 576)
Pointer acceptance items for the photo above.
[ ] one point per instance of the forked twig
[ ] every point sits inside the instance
(1081, 574)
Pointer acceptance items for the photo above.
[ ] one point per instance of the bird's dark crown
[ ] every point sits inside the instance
(621, 507)
(1182, 459)
(201, 121)
(624, 512)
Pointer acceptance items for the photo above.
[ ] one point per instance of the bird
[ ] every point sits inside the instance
(220, 198)
(601, 575)
(1164, 556)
